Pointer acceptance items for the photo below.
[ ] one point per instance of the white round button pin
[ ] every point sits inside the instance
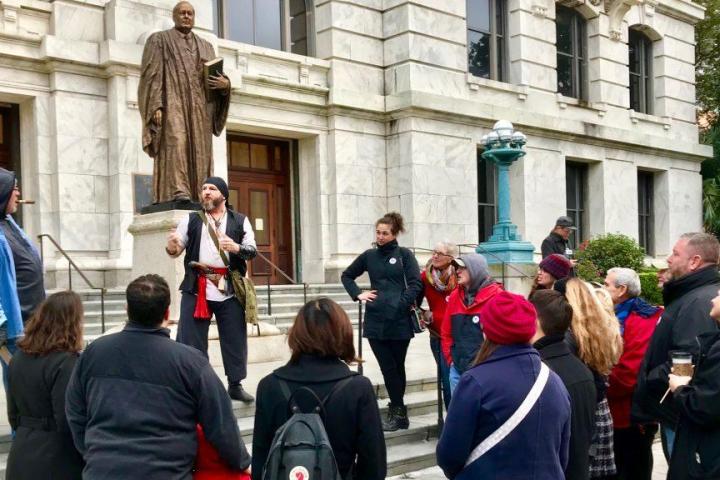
(476, 319)
(393, 261)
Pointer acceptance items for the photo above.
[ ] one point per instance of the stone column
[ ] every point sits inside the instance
(531, 37)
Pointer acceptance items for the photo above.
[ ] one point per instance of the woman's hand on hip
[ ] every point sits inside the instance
(368, 296)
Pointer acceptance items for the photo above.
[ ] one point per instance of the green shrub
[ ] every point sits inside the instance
(598, 255)
(649, 287)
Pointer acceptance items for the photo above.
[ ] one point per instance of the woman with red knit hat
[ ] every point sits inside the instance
(510, 415)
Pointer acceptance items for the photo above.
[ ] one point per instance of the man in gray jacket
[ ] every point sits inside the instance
(136, 397)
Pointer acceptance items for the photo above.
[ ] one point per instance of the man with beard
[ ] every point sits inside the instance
(692, 284)
(207, 288)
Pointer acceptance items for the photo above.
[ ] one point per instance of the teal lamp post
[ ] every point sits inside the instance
(503, 146)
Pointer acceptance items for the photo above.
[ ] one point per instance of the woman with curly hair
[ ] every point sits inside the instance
(594, 336)
(394, 287)
(38, 377)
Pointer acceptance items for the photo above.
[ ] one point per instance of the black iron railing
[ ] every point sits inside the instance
(71, 265)
(284, 275)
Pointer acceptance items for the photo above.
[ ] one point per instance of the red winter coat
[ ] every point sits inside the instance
(209, 465)
(623, 377)
(437, 301)
(465, 319)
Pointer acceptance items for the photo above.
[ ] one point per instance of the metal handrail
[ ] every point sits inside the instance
(71, 265)
(279, 270)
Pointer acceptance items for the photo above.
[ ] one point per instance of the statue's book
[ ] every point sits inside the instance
(213, 68)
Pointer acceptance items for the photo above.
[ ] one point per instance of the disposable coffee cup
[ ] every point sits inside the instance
(682, 363)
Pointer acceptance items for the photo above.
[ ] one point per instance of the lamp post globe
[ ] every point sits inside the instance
(503, 147)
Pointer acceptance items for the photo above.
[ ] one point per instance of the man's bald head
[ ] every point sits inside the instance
(184, 16)
(179, 4)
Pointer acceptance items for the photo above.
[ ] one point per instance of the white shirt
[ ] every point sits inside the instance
(209, 255)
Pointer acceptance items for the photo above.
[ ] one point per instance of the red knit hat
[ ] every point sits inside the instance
(556, 265)
(508, 318)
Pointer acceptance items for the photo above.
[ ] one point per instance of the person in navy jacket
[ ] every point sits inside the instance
(505, 370)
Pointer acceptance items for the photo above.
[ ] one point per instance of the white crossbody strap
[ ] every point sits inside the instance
(498, 435)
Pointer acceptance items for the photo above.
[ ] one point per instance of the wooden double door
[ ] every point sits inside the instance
(259, 183)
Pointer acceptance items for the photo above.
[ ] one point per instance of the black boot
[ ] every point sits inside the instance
(237, 392)
(397, 419)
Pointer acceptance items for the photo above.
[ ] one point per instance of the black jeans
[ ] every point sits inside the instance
(232, 329)
(390, 354)
(633, 452)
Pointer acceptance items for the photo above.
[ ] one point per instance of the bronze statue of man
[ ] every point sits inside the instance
(178, 117)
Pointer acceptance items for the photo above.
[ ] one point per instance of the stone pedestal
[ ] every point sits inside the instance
(510, 251)
(150, 234)
(517, 277)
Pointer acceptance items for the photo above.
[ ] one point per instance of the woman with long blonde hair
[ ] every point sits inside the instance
(595, 338)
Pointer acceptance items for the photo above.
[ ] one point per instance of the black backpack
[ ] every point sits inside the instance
(300, 448)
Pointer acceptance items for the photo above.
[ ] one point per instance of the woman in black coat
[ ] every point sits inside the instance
(38, 376)
(394, 286)
(321, 341)
(696, 451)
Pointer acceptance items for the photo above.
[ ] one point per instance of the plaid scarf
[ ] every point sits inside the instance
(441, 280)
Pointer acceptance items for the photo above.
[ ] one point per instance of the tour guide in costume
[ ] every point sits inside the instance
(207, 288)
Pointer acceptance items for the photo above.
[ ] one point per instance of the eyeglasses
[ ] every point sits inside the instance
(435, 253)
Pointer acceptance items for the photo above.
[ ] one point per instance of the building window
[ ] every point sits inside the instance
(277, 24)
(486, 38)
(571, 53)
(645, 211)
(640, 55)
(576, 188)
(486, 197)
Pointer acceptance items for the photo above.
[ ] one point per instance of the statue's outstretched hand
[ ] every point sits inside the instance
(157, 117)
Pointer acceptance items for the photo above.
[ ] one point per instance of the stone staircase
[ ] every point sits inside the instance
(285, 301)
(407, 450)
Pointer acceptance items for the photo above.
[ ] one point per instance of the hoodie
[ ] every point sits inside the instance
(10, 314)
(461, 330)
(477, 266)
(25, 257)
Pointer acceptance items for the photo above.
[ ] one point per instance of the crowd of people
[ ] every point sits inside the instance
(575, 381)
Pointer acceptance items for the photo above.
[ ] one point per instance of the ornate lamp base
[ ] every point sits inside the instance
(508, 251)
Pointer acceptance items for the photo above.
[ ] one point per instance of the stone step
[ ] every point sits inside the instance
(420, 398)
(422, 427)
(412, 456)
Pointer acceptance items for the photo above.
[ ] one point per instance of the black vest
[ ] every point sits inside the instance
(234, 230)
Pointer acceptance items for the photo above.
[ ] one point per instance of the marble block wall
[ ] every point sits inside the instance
(385, 117)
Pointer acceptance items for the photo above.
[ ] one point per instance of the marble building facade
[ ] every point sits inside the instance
(384, 115)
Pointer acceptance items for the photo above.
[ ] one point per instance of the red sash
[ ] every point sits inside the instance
(202, 312)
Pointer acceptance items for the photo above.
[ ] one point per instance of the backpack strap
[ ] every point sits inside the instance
(337, 387)
(290, 396)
